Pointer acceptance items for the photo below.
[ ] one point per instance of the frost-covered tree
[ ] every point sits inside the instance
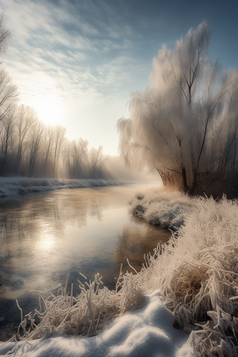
(8, 91)
(76, 158)
(96, 161)
(33, 145)
(47, 143)
(6, 140)
(8, 99)
(184, 124)
(26, 119)
(58, 140)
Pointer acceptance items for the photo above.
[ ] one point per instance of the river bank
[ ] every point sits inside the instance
(15, 186)
(191, 279)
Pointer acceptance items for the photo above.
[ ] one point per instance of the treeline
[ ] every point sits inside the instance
(30, 148)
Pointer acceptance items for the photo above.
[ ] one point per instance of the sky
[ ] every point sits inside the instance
(77, 61)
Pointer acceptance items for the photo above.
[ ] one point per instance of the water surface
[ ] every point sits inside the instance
(47, 235)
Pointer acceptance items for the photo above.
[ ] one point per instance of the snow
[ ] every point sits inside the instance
(147, 331)
(163, 208)
(14, 186)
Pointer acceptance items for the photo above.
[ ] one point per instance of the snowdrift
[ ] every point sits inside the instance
(14, 186)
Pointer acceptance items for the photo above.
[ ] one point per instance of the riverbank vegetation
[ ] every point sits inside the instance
(162, 208)
(195, 272)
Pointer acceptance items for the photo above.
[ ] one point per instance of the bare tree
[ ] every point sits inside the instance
(59, 138)
(6, 137)
(5, 36)
(8, 94)
(8, 91)
(8, 97)
(96, 161)
(47, 150)
(76, 157)
(26, 119)
(33, 145)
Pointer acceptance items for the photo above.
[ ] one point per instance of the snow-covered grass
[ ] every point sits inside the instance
(193, 279)
(162, 208)
(13, 186)
(82, 315)
(147, 331)
(103, 322)
(197, 270)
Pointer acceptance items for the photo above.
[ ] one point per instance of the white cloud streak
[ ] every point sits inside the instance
(56, 50)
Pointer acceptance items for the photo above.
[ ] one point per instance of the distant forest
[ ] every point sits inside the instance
(30, 148)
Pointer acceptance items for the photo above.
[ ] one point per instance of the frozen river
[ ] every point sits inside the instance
(45, 236)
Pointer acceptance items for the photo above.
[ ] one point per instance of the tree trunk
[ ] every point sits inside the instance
(184, 176)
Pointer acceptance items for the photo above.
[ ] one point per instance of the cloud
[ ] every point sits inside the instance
(89, 54)
(76, 51)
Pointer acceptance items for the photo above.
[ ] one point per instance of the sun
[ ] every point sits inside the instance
(49, 109)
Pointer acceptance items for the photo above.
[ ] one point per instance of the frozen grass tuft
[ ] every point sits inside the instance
(82, 315)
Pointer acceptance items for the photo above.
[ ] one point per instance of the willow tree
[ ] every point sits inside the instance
(184, 124)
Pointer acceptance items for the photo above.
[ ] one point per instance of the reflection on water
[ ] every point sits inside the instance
(45, 236)
(136, 241)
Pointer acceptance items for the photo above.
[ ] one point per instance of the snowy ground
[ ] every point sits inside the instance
(144, 332)
(13, 186)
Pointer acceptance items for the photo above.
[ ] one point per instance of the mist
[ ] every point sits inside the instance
(32, 149)
(184, 124)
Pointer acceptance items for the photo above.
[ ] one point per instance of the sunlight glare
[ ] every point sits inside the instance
(49, 110)
(46, 243)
